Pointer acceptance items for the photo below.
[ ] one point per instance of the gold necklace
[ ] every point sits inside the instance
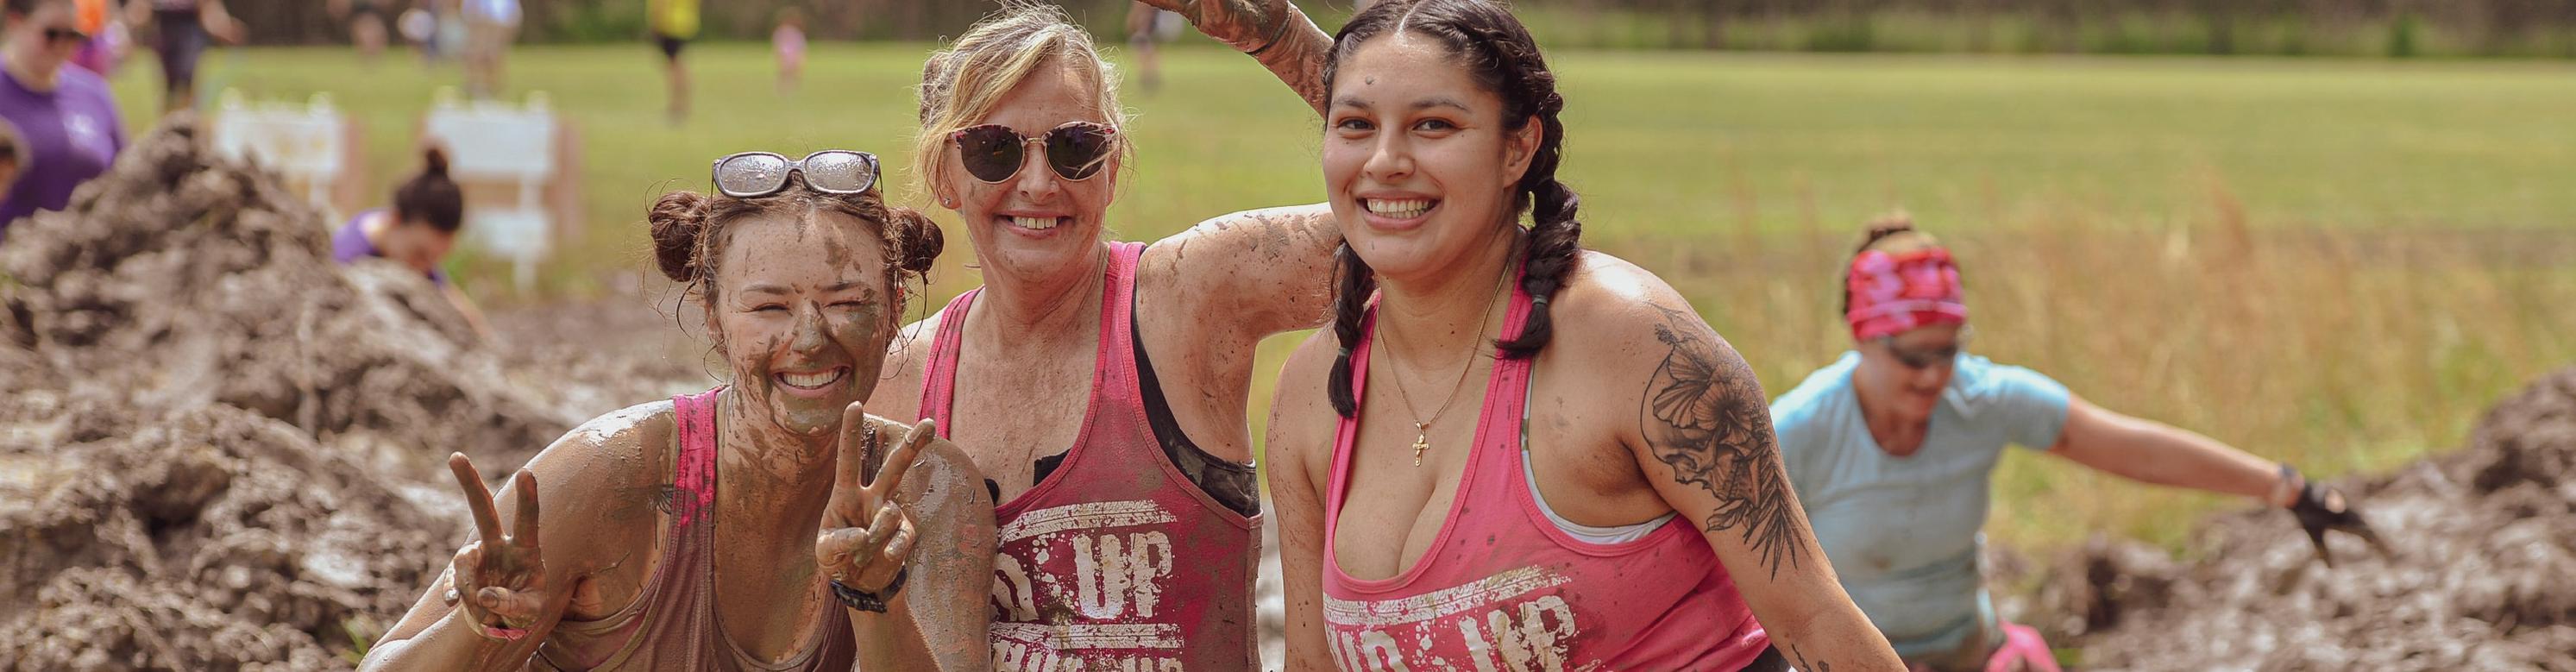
(1422, 428)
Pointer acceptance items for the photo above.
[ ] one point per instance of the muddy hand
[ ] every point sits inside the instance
(501, 578)
(1245, 25)
(866, 535)
(2321, 509)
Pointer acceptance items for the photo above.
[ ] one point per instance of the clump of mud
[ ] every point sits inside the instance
(2482, 575)
(210, 539)
(210, 434)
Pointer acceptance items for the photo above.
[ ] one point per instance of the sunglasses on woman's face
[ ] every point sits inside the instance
(64, 36)
(831, 171)
(993, 152)
(1920, 358)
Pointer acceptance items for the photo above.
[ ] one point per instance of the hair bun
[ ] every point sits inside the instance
(921, 240)
(435, 160)
(679, 221)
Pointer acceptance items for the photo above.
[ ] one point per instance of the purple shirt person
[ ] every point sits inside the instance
(417, 232)
(62, 121)
(354, 240)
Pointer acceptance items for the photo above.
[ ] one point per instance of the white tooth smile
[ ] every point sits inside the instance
(1406, 208)
(810, 381)
(1034, 223)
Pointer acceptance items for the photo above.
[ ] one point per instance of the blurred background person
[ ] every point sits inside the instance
(366, 20)
(788, 42)
(181, 30)
(490, 27)
(1893, 447)
(109, 39)
(1147, 29)
(63, 119)
(417, 232)
(675, 22)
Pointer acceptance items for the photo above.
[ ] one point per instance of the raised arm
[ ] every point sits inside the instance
(1273, 32)
(1254, 273)
(1703, 438)
(1298, 453)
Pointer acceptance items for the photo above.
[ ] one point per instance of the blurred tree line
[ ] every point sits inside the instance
(2399, 28)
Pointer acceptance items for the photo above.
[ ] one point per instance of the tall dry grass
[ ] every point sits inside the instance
(2338, 350)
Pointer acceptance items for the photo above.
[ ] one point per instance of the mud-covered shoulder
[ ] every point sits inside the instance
(606, 482)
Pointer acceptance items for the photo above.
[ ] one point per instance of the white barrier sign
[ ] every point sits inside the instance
(306, 144)
(506, 146)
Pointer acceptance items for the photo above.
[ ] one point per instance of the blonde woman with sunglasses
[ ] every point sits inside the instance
(1103, 385)
(766, 524)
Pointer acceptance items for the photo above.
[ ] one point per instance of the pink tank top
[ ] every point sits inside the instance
(1116, 561)
(672, 624)
(1501, 588)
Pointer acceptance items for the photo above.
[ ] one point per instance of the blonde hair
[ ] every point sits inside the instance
(963, 84)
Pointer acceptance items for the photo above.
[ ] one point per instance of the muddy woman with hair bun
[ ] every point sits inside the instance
(766, 524)
(1510, 452)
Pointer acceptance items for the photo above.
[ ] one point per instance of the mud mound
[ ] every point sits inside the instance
(2482, 575)
(211, 435)
(215, 539)
(180, 280)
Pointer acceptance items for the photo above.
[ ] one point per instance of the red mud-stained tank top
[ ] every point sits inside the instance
(672, 624)
(1502, 588)
(1115, 560)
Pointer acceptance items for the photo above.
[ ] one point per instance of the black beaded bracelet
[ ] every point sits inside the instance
(871, 602)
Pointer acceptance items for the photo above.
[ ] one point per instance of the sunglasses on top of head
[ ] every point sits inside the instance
(831, 171)
(993, 152)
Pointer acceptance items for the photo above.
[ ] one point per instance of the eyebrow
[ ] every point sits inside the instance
(844, 285)
(1426, 103)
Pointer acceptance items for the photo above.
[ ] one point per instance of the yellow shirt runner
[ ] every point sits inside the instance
(675, 18)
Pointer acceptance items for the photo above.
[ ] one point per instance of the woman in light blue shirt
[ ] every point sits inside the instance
(1892, 449)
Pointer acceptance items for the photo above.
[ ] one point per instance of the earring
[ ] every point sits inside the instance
(947, 202)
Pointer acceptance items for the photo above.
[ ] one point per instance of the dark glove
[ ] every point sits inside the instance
(2322, 508)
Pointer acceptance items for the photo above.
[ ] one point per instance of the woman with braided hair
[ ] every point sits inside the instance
(1893, 446)
(1559, 465)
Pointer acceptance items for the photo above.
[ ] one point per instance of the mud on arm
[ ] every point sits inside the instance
(941, 619)
(1253, 273)
(1704, 440)
(591, 522)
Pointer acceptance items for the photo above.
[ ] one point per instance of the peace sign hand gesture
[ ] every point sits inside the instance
(866, 536)
(501, 580)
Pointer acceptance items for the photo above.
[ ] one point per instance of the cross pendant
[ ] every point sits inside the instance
(1421, 441)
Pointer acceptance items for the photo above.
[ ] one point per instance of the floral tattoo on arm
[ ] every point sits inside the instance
(1705, 417)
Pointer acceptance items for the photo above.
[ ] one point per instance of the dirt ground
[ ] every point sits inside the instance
(2482, 574)
(220, 451)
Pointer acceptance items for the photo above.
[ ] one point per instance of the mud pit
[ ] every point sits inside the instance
(2483, 575)
(219, 450)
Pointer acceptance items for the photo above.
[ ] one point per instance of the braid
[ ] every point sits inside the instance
(1350, 307)
(1555, 235)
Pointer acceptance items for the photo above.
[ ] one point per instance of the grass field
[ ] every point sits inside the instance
(2338, 263)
